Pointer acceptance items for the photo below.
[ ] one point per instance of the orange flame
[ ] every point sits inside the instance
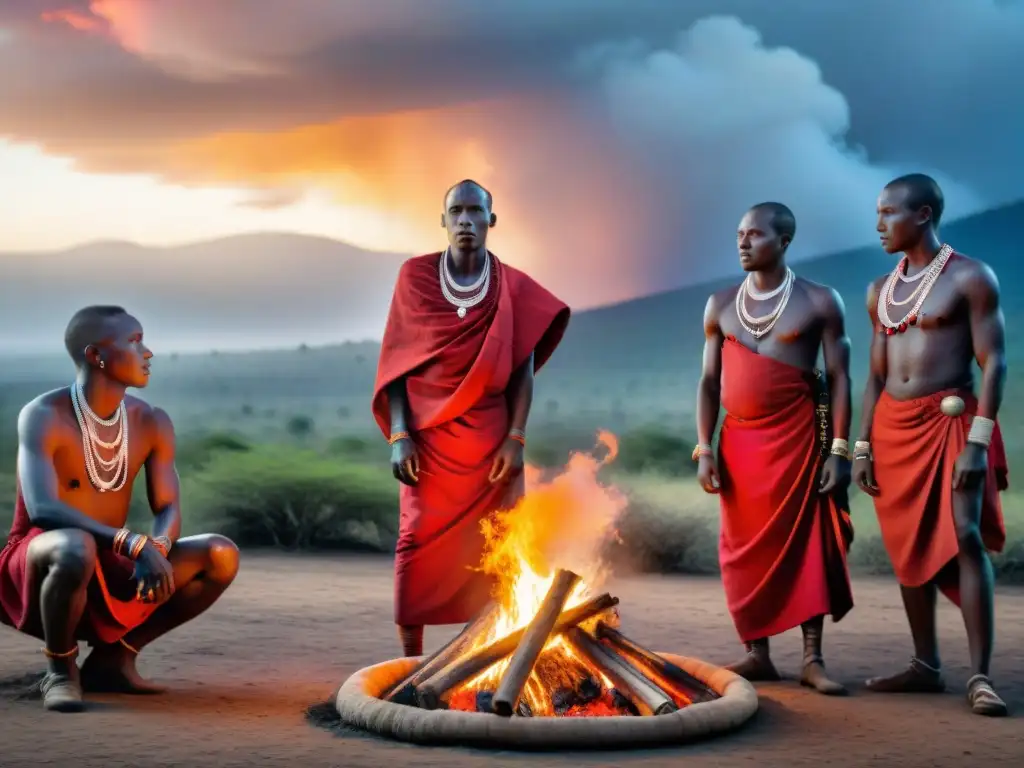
(561, 522)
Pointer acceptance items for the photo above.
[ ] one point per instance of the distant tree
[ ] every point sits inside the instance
(247, 409)
(344, 412)
(303, 347)
(300, 426)
(551, 407)
(360, 359)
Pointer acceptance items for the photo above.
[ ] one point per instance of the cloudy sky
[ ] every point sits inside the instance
(622, 138)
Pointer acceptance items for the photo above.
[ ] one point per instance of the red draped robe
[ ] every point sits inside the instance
(456, 375)
(915, 447)
(111, 609)
(783, 545)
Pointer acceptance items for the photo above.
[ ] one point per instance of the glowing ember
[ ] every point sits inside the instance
(562, 522)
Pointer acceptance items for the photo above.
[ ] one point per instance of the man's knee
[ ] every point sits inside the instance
(222, 559)
(70, 553)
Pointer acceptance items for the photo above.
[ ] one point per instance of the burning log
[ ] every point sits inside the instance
(537, 634)
(655, 667)
(404, 691)
(649, 699)
(458, 671)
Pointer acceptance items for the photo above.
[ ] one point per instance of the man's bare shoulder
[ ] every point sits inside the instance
(47, 406)
(973, 274)
(825, 298)
(874, 289)
(39, 416)
(715, 308)
(152, 418)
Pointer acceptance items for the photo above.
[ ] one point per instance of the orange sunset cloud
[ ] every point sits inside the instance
(400, 164)
(77, 20)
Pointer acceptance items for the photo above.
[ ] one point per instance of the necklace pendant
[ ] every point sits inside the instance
(461, 312)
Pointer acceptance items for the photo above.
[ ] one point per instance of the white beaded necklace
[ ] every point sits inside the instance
(91, 442)
(449, 288)
(761, 326)
(928, 277)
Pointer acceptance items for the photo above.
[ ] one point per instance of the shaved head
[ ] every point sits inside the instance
(90, 326)
(922, 190)
(470, 183)
(782, 219)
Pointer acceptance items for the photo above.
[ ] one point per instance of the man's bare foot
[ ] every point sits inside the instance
(756, 666)
(61, 692)
(111, 669)
(983, 698)
(917, 678)
(814, 676)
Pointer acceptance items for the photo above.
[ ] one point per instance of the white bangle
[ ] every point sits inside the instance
(841, 448)
(862, 449)
(981, 430)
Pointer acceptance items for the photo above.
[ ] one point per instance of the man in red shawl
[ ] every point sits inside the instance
(785, 527)
(71, 570)
(930, 452)
(465, 335)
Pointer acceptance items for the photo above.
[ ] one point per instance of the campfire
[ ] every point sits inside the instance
(550, 643)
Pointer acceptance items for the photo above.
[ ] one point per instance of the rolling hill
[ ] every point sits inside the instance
(253, 291)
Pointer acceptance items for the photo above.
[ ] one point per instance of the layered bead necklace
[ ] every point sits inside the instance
(761, 326)
(450, 289)
(88, 422)
(925, 280)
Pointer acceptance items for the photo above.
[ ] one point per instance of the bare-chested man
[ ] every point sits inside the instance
(70, 570)
(785, 527)
(929, 452)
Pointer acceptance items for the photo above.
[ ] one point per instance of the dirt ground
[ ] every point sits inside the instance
(292, 629)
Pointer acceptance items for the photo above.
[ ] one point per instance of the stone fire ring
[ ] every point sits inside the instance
(359, 705)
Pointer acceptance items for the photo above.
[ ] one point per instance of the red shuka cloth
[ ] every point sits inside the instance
(111, 610)
(915, 447)
(783, 545)
(456, 375)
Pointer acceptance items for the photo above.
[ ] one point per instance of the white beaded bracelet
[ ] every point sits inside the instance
(981, 431)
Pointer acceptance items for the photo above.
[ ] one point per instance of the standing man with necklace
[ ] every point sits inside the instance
(465, 335)
(930, 453)
(785, 527)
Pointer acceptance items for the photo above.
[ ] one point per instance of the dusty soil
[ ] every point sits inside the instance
(292, 629)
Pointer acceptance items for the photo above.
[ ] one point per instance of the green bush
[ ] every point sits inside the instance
(652, 449)
(279, 497)
(300, 426)
(360, 449)
(194, 452)
(649, 449)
